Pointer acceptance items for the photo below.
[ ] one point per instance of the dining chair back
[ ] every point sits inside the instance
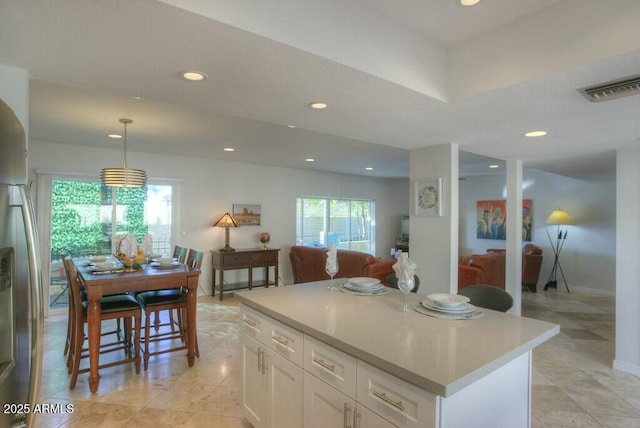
(112, 307)
(488, 296)
(194, 260)
(180, 253)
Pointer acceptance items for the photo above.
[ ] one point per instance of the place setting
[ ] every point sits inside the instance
(163, 263)
(449, 307)
(102, 265)
(364, 286)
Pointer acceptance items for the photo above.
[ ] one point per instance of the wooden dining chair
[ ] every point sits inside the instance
(71, 313)
(112, 307)
(154, 302)
(180, 254)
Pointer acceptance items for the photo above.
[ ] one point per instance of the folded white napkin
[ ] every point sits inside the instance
(332, 257)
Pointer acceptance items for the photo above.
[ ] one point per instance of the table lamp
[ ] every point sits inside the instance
(226, 221)
(557, 218)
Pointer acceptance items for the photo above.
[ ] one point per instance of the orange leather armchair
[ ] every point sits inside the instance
(307, 265)
(531, 264)
(489, 268)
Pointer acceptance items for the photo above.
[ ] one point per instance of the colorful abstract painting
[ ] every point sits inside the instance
(492, 219)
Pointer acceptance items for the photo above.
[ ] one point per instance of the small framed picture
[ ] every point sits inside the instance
(246, 214)
(428, 197)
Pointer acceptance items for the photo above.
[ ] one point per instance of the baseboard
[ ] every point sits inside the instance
(626, 367)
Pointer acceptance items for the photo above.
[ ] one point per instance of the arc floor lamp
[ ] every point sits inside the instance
(557, 218)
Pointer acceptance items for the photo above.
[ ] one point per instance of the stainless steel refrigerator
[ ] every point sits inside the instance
(21, 303)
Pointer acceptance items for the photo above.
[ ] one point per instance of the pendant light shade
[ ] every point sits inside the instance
(123, 177)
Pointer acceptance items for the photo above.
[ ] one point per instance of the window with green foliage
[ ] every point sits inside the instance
(86, 217)
(348, 223)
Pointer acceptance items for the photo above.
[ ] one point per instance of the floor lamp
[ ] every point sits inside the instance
(557, 218)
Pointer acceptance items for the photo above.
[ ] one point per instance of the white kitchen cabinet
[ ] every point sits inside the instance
(253, 385)
(325, 406)
(285, 385)
(403, 404)
(271, 386)
(365, 418)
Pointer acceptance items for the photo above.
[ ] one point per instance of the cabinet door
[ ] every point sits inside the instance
(365, 418)
(253, 383)
(285, 381)
(324, 406)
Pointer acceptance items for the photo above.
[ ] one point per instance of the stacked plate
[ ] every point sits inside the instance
(364, 285)
(106, 266)
(165, 263)
(449, 304)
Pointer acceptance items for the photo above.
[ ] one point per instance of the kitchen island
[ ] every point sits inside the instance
(315, 357)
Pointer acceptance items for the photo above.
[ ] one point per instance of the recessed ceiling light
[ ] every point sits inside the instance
(368, 168)
(194, 76)
(533, 134)
(494, 166)
(114, 136)
(136, 98)
(229, 149)
(291, 126)
(309, 160)
(318, 105)
(468, 2)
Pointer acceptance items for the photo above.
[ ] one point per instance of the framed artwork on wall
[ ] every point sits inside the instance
(492, 219)
(428, 197)
(246, 214)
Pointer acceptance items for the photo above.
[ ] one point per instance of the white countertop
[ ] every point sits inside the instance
(437, 355)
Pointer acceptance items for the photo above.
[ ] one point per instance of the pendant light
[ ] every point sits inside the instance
(123, 177)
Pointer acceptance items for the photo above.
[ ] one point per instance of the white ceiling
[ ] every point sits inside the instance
(397, 76)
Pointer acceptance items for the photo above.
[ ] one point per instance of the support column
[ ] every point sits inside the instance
(513, 266)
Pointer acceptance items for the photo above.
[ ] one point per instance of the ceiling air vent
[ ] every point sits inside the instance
(612, 90)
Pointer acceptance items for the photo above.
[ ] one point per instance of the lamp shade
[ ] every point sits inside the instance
(559, 217)
(225, 221)
(123, 177)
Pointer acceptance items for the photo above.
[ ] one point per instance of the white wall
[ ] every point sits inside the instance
(627, 356)
(589, 255)
(209, 188)
(434, 240)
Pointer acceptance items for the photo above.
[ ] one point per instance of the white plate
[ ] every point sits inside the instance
(465, 308)
(363, 281)
(369, 289)
(98, 259)
(103, 266)
(444, 300)
(171, 265)
(367, 292)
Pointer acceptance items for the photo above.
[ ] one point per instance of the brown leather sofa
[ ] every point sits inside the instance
(489, 268)
(307, 265)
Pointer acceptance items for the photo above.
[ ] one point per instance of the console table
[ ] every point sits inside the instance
(244, 259)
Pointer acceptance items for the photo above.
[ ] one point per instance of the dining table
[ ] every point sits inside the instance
(98, 284)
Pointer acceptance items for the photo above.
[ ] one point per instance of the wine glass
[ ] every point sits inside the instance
(331, 269)
(406, 284)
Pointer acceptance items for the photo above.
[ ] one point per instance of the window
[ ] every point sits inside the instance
(86, 218)
(349, 223)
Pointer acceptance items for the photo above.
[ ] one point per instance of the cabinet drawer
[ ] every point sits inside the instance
(253, 323)
(397, 401)
(232, 260)
(285, 340)
(331, 365)
(265, 257)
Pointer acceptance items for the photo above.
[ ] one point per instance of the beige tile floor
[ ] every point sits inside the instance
(574, 384)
